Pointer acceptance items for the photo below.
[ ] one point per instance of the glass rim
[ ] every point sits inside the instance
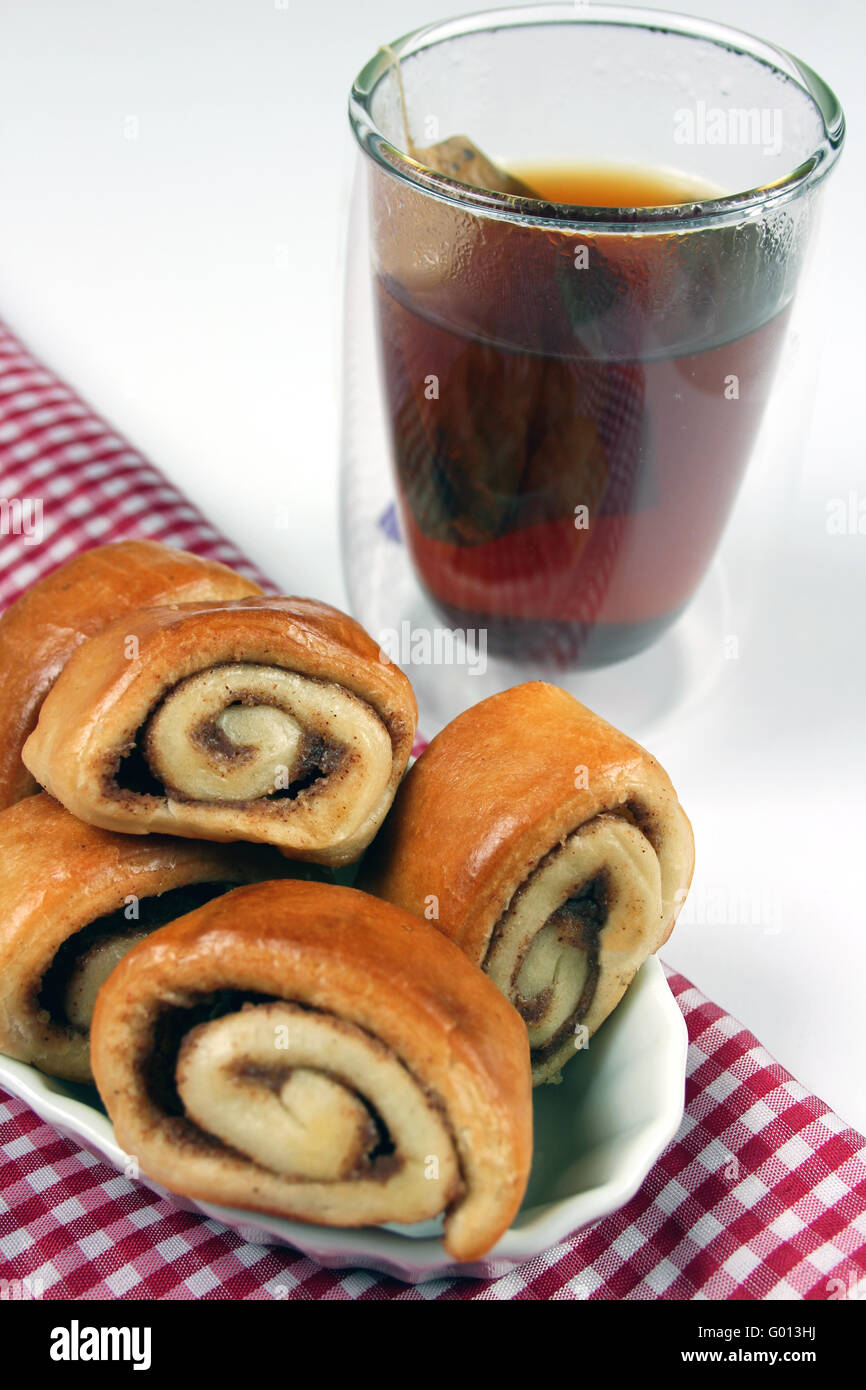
(750, 203)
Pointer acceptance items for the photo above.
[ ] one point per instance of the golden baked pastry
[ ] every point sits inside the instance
(267, 719)
(306, 1050)
(41, 630)
(550, 847)
(73, 900)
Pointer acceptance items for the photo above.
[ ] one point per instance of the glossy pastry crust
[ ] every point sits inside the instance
(358, 967)
(500, 791)
(59, 877)
(100, 707)
(41, 630)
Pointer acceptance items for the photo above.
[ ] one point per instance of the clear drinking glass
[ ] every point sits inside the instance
(549, 408)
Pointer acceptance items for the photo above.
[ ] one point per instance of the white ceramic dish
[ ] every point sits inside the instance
(596, 1137)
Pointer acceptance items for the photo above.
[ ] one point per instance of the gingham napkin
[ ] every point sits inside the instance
(762, 1194)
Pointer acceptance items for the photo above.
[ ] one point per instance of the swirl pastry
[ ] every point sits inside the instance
(73, 900)
(269, 719)
(550, 847)
(306, 1050)
(41, 630)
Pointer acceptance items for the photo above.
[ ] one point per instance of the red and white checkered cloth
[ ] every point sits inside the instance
(762, 1194)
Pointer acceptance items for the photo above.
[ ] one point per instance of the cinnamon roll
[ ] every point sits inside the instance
(266, 719)
(73, 901)
(550, 847)
(41, 630)
(306, 1050)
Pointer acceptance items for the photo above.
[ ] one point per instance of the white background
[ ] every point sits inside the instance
(188, 282)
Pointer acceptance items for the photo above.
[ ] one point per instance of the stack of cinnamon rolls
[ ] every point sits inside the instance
(187, 766)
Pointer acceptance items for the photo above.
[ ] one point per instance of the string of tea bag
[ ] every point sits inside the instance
(458, 157)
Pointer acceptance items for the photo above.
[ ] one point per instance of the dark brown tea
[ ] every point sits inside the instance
(571, 416)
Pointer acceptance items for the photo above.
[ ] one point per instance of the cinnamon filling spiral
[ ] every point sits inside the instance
(241, 733)
(65, 995)
(89, 973)
(575, 933)
(310, 1098)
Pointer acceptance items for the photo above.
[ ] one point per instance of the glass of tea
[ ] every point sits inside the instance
(576, 239)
